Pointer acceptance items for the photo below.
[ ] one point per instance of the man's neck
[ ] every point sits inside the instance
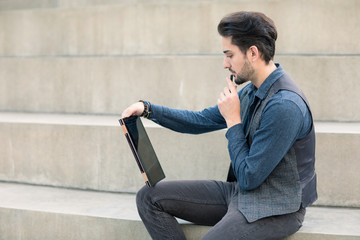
(263, 71)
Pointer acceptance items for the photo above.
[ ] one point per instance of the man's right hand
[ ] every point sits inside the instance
(135, 109)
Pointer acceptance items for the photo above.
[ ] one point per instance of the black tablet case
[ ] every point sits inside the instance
(142, 150)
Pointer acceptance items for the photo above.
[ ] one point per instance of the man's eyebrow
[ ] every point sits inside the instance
(226, 51)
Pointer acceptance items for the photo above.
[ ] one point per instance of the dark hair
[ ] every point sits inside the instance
(248, 29)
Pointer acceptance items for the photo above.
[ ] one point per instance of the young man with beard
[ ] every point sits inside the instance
(271, 143)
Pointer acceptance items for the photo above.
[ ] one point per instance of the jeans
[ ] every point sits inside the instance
(211, 203)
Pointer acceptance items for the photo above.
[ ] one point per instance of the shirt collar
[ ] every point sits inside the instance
(269, 81)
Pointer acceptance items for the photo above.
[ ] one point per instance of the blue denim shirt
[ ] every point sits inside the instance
(285, 119)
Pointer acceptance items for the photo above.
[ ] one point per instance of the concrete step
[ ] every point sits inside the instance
(53, 213)
(90, 152)
(148, 27)
(84, 151)
(107, 85)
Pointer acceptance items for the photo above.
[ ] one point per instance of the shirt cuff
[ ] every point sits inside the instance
(235, 132)
(156, 111)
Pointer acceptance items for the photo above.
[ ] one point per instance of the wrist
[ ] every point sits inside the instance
(231, 123)
(147, 109)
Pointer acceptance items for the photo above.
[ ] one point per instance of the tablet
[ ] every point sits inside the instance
(142, 150)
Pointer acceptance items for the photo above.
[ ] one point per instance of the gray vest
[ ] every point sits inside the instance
(293, 181)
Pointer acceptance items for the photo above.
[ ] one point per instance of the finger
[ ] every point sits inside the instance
(232, 88)
(226, 91)
(221, 97)
(125, 114)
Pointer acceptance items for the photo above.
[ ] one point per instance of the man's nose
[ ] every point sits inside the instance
(226, 63)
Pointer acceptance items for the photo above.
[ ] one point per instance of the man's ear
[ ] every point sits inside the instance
(253, 53)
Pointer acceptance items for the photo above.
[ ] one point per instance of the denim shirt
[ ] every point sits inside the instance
(285, 119)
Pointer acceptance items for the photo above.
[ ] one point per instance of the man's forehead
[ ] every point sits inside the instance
(227, 45)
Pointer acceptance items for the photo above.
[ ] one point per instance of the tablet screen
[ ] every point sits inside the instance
(143, 150)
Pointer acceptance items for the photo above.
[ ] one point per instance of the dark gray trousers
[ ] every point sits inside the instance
(211, 203)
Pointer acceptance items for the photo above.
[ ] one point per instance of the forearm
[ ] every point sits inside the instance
(239, 151)
(273, 139)
(184, 121)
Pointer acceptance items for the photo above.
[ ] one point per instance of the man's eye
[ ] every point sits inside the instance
(230, 56)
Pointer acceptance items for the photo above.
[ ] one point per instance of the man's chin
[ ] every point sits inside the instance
(240, 81)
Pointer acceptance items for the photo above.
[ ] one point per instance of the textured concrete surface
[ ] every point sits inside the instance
(96, 57)
(147, 27)
(51, 213)
(107, 85)
(90, 152)
(97, 156)
(86, 56)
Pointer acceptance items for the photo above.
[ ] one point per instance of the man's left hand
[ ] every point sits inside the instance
(229, 104)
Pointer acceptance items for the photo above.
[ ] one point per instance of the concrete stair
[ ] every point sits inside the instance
(106, 85)
(128, 27)
(38, 212)
(54, 52)
(68, 69)
(53, 149)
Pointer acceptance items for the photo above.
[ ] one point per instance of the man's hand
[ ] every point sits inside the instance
(135, 109)
(229, 104)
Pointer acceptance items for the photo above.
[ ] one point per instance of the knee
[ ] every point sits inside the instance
(143, 197)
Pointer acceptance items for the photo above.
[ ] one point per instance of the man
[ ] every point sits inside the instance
(271, 143)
